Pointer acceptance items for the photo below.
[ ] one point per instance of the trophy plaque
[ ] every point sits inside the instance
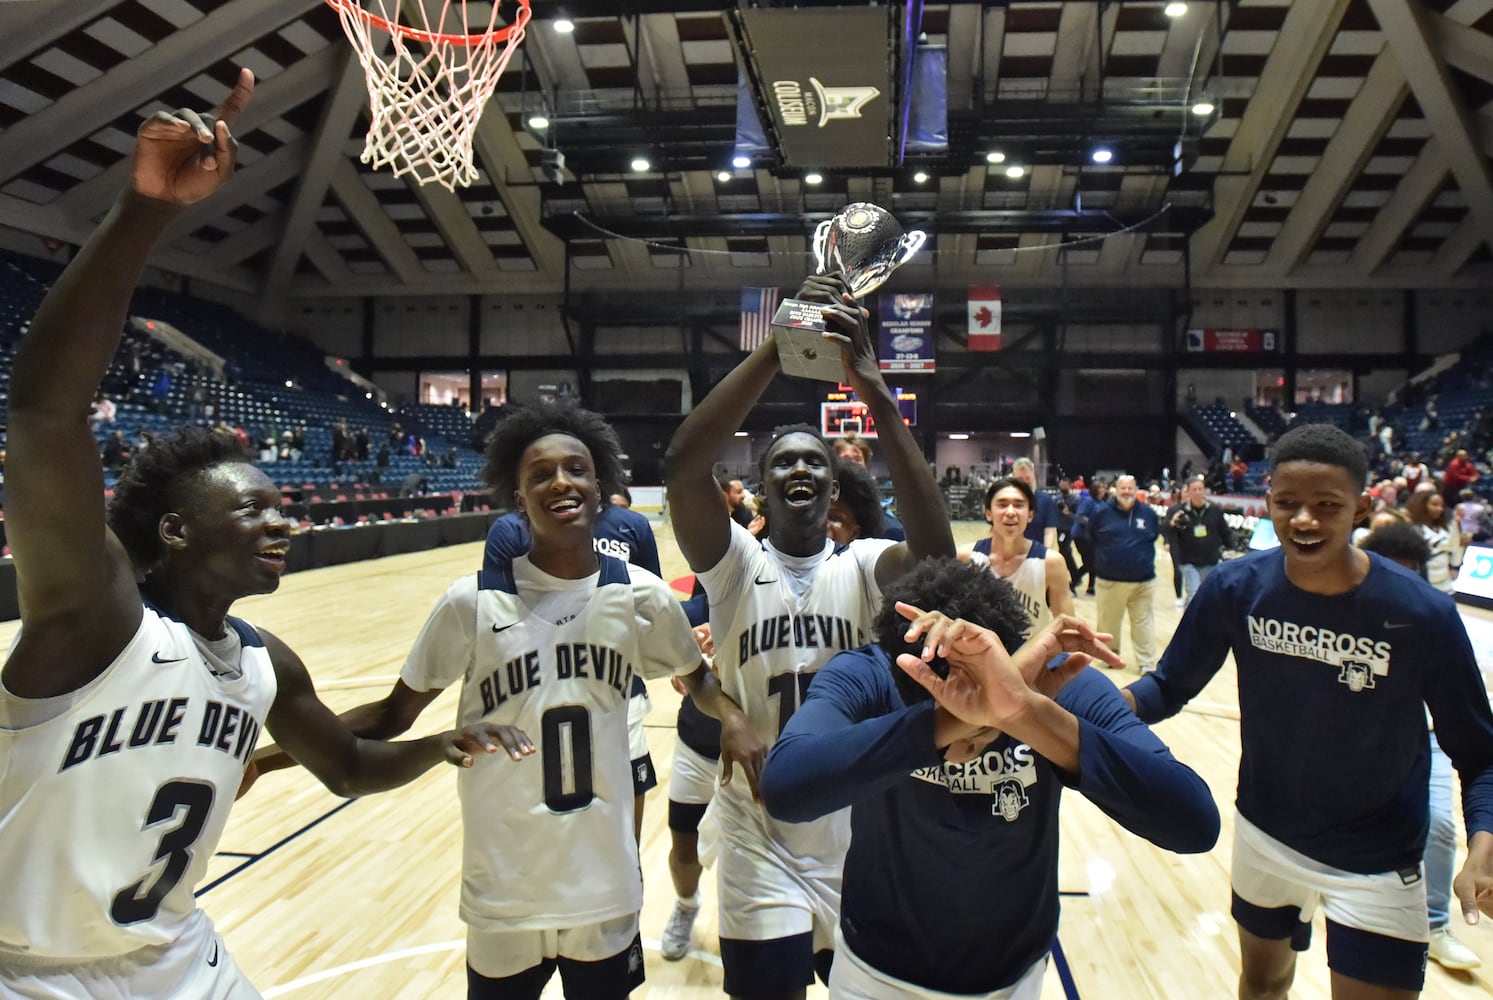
(866, 244)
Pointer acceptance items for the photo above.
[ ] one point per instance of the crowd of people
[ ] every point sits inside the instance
(894, 725)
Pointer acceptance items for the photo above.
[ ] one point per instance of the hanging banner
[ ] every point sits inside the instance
(984, 318)
(825, 80)
(1233, 341)
(906, 333)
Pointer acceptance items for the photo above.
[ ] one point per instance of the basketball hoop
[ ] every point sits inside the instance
(427, 93)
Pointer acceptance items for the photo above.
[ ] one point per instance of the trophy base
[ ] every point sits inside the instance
(803, 352)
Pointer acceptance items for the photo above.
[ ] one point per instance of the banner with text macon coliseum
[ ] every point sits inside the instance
(825, 78)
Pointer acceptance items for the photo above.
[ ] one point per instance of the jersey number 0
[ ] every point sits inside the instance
(565, 738)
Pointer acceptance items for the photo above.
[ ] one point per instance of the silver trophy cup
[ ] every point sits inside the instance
(866, 244)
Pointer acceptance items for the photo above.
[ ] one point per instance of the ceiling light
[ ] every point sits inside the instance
(367, 395)
(1021, 434)
(564, 25)
(741, 434)
(539, 123)
(288, 383)
(723, 176)
(1203, 109)
(1103, 155)
(813, 178)
(1014, 172)
(958, 437)
(1175, 9)
(640, 165)
(920, 177)
(995, 157)
(741, 162)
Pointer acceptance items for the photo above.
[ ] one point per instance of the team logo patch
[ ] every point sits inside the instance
(1356, 675)
(1010, 799)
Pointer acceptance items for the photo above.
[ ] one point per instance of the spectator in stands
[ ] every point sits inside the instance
(853, 448)
(1415, 471)
(415, 484)
(1432, 416)
(1427, 511)
(1473, 518)
(396, 436)
(1387, 438)
(197, 404)
(362, 444)
(101, 413)
(1480, 437)
(116, 452)
(735, 493)
(1459, 474)
(448, 461)
(1238, 469)
(160, 391)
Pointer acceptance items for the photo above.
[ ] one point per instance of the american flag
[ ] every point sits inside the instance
(758, 305)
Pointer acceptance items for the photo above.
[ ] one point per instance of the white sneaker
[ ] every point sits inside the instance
(1181, 602)
(1449, 953)
(675, 942)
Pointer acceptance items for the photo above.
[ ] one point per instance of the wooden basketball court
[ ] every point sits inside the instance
(319, 897)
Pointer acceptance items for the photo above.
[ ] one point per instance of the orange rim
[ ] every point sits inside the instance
(355, 9)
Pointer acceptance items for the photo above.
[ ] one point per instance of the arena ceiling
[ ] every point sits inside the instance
(1349, 146)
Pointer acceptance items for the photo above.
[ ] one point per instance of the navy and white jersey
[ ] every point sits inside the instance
(113, 797)
(931, 839)
(619, 532)
(1029, 581)
(769, 641)
(548, 841)
(1335, 756)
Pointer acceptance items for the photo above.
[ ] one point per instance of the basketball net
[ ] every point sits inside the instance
(428, 90)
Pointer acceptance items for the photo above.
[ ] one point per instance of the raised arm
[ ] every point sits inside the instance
(76, 586)
(919, 502)
(701, 525)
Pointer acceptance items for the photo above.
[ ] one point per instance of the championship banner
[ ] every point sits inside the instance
(825, 78)
(984, 318)
(907, 338)
(1233, 341)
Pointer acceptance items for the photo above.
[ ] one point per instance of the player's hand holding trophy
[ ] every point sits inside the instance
(865, 244)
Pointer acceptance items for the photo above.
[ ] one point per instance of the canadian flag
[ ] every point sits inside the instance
(984, 318)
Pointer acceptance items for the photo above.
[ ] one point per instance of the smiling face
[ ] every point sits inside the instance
(231, 530)
(799, 481)
(1125, 492)
(557, 489)
(1009, 512)
(1313, 506)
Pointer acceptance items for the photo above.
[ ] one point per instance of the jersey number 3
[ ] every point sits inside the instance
(565, 738)
(136, 902)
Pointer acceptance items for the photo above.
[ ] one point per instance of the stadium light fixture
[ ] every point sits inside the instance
(741, 162)
(958, 437)
(1174, 9)
(1203, 109)
(995, 156)
(813, 178)
(640, 164)
(723, 176)
(538, 123)
(1015, 171)
(564, 25)
(920, 177)
(1103, 155)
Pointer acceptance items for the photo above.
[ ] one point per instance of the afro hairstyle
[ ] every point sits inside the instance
(159, 481)
(526, 424)
(1322, 443)
(959, 590)
(861, 496)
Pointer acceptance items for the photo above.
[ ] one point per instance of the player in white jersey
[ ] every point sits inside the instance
(128, 709)
(778, 612)
(1038, 574)
(549, 643)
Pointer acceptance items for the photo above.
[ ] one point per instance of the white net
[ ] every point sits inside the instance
(432, 66)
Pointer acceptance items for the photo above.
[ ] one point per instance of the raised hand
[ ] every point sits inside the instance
(182, 157)
(1064, 634)
(462, 745)
(984, 687)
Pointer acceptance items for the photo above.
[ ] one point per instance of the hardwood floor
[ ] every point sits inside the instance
(322, 898)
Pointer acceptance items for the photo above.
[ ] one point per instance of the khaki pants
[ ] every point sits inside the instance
(1114, 598)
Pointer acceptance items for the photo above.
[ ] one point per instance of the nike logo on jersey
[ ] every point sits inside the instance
(214, 960)
(759, 580)
(1400, 625)
(502, 628)
(156, 657)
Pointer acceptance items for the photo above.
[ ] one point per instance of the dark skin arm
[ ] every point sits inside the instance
(350, 765)
(739, 742)
(79, 605)
(918, 498)
(702, 527)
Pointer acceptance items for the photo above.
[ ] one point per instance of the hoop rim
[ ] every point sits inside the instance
(354, 9)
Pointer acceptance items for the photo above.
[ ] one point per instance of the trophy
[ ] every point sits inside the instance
(864, 243)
